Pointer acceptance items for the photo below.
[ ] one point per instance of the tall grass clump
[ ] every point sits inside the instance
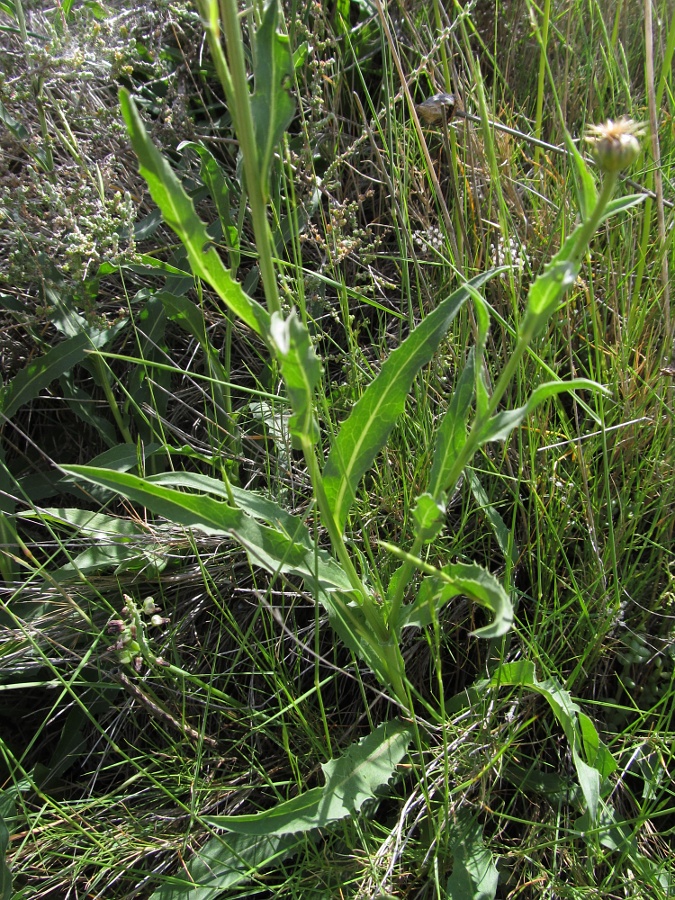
(358, 580)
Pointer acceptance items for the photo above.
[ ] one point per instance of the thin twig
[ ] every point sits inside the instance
(154, 708)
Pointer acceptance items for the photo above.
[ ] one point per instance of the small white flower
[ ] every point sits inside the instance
(510, 252)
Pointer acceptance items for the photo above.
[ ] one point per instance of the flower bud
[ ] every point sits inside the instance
(615, 145)
(149, 606)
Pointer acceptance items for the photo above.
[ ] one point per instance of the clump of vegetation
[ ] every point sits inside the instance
(69, 190)
(335, 463)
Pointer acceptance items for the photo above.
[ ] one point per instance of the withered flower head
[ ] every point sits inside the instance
(615, 145)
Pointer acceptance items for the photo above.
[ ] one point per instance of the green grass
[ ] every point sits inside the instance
(119, 762)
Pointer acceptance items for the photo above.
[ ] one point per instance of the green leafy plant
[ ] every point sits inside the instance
(370, 629)
(320, 541)
(370, 626)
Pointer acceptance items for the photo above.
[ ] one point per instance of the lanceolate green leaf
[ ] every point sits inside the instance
(223, 863)
(621, 204)
(579, 730)
(179, 213)
(181, 508)
(350, 780)
(114, 540)
(452, 431)
(474, 874)
(429, 515)
(272, 106)
(286, 546)
(84, 521)
(268, 548)
(252, 503)
(39, 374)
(301, 371)
(214, 179)
(499, 427)
(366, 430)
(461, 579)
(586, 190)
(547, 291)
(188, 315)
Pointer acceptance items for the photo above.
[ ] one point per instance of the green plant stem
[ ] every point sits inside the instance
(112, 402)
(590, 226)
(235, 84)
(667, 61)
(338, 544)
(532, 322)
(530, 326)
(381, 639)
(438, 22)
(232, 73)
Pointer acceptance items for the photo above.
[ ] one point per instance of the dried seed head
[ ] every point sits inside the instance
(615, 145)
